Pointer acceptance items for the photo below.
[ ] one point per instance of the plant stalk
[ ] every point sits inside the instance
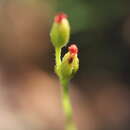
(58, 56)
(69, 124)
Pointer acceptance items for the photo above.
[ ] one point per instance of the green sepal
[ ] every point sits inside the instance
(67, 69)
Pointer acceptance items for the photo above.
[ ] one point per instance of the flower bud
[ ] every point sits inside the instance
(70, 63)
(60, 32)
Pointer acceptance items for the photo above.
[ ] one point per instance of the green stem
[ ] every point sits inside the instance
(58, 60)
(67, 106)
(58, 56)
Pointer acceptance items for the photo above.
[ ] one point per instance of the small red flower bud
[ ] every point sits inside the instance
(73, 49)
(58, 18)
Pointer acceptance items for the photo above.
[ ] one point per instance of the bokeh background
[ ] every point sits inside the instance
(29, 89)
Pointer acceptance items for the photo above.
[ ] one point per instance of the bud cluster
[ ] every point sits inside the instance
(60, 35)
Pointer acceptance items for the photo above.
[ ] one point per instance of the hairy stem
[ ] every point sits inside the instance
(69, 124)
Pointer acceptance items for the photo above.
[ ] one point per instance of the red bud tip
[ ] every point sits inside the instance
(73, 49)
(60, 17)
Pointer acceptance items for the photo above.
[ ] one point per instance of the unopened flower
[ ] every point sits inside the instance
(70, 62)
(60, 32)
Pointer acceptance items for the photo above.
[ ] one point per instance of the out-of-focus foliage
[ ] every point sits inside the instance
(88, 14)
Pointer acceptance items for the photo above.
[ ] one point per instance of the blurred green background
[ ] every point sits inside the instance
(101, 30)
